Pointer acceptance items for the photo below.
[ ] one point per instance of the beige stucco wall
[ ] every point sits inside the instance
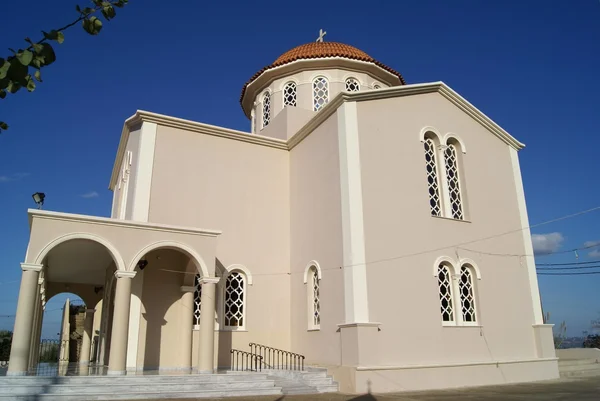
(316, 236)
(399, 232)
(132, 146)
(243, 190)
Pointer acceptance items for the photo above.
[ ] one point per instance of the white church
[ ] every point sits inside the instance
(376, 228)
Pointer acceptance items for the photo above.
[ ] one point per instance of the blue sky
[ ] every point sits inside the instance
(532, 66)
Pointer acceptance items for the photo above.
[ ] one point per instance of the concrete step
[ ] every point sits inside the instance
(144, 395)
(134, 389)
(577, 362)
(129, 379)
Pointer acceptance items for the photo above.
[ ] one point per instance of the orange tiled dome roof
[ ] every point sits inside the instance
(322, 50)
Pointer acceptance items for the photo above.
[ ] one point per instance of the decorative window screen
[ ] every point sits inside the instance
(289, 94)
(266, 117)
(432, 178)
(235, 294)
(197, 300)
(445, 288)
(467, 295)
(352, 85)
(320, 93)
(453, 180)
(316, 303)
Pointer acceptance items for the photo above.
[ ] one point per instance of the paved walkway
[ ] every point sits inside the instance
(587, 389)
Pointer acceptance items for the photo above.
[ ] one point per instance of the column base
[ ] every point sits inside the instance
(116, 373)
(9, 373)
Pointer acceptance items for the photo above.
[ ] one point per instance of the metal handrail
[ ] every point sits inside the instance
(274, 358)
(243, 360)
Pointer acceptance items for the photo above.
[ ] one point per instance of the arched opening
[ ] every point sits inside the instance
(157, 322)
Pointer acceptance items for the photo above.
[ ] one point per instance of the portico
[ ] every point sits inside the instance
(98, 259)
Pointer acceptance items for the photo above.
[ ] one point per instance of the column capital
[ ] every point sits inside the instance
(31, 267)
(124, 274)
(209, 280)
(188, 288)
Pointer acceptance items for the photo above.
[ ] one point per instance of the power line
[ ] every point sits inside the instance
(568, 268)
(567, 264)
(566, 274)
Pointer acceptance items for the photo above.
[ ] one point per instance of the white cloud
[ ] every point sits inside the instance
(595, 253)
(89, 195)
(545, 244)
(13, 177)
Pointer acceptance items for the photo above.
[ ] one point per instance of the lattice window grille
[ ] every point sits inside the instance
(316, 298)
(445, 288)
(453, 180)
(197, 300)
(432, 178)
(467, 295)
(352, 85)
(289, 94)
(320, 93)
(266, 116)
(234, 300)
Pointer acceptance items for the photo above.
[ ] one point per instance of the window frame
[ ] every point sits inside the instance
(284, 94)
(472, 273)
(266, 109)
(351, 81)
(449, 270)
(313, 96)
(223, 306)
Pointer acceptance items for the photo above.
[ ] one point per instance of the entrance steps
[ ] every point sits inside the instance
(131, 387)
(311, 381)
(579, 367)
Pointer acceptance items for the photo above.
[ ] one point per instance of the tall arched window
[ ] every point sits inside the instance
(445, 290)
(467, 295)
(289, 94)
(314, 297)
(266, 115)
(197, 300)
(235, 301)
(453, 181)
(320, 93)
(352, 85)
(433, 183)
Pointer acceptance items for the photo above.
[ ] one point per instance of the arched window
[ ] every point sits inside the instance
(314, 295)
(376, 86)
(320, 93)
(266, 117)
(197, 300)
(453, 181)
(433, 183)
(289, 94)
(467, 295)
(352, 85)
(235, 301)
(445, 290)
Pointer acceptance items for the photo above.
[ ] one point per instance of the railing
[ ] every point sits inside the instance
(54, 351)
(242, 360)
(273, 358)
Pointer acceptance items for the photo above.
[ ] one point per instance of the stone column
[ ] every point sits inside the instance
(206, 348)
(86, 341)
(120, 324)
(187, 326)
(37, 310)
(21, 343)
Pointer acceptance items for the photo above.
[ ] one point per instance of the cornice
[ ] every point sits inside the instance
(362, 96)
(80, 218)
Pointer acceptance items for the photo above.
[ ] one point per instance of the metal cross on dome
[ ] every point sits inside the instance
(321, 35)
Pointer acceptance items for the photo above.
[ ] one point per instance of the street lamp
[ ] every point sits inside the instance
(38, 198)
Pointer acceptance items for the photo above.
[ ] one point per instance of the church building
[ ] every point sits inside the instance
(374, 227)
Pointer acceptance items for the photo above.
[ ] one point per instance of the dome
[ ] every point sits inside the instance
(316, 50)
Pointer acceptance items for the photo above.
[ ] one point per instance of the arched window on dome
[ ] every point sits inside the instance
(352, 85)
(376, 86)
(266, 116)
(289, 94)
(320, 93)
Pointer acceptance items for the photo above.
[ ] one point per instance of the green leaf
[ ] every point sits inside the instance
(3, 125)
(2, 94)
(4, 66)
(38, 76)
(108, 11)
(92, 25)
(37, 48)
(13, 87)
(60, 37)
(30, 84)
(87, 11)
(17, 72)
(4, 83)
(25, 57)
(48, 54)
